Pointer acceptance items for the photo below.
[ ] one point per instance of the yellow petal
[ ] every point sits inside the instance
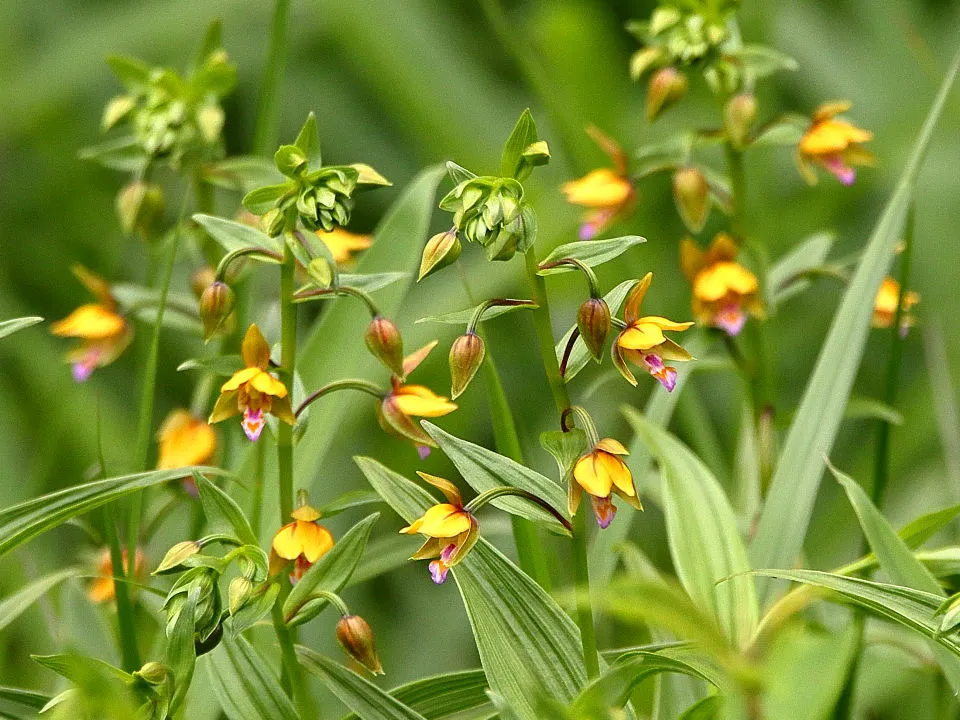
(185, 440)
(716, 281)
(315, 540)
(669, 350)
(617, 470)
(691, 258)
(285, 542)
(97, 286)
(631, 309)
(640, 336)
(831, 136)
(601, 188)
(421, 402)
(449, 490)
(592, 476)
(226, 407)
(255, 351)
(341, 243)
(664, 324)
(443, 521)
(268, 385)
(305, 513)
(830, 109)
(615, 447)
(91, 322)
(240, 377)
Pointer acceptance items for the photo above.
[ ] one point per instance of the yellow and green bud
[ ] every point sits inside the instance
(691, 193)
(441, 250)
(176, 556)
(216, 304)
(489, 211)
(666, 87)
(273, 222)
(356, 639)
(466, 356)
(139, 207)
(738, 117)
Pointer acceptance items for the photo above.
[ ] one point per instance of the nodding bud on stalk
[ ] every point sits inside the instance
(356, 639)
(466, 356)
(738, 117)
(593, 322)
(139, 206)
(273, 222)
(666, 87)
(441, 250)
(216, 304)
(201, 280)
(691, 193)
(384, 343)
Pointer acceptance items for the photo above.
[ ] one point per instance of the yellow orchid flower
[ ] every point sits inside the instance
(607, 193)
(304, 541)
(451, 530)
(833, 144)
(643, 343)
(185, 440)
(253, 391)
(102, 589)
(104, 333)
(343, 243)
(724, 291)
(405, 402)
(602, 473)
(885, 306)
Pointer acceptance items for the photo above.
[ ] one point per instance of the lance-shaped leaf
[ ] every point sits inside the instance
(241, 173)
(14, 605)
(25, 521)
(524, 134)
(223, 509)
(793, 489)
(21, 699)
(234, 236)
(181, 655)
(444, 696)
(462, 317)
(244, 685)
(702, 532)
(785, 278)
(8, 327)
(371, 282)
(589, 252)
(485, 470)
(225, 365)
(526, 642)
(308, 140)
(359, 694)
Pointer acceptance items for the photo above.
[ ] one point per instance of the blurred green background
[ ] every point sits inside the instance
(402, 86)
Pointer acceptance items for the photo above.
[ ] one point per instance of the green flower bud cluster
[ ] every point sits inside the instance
(201, 581)
(678, 35)
(489, 211)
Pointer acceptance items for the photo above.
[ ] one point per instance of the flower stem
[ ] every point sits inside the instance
(265, 133)
(541, 317)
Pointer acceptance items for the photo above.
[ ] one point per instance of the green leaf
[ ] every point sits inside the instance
(859, 408)
(13, 606)
(234, 236)
(590, 252)
(181, 655)
(261, 200)
(525, 640)
(785, 278)
(371, 282)
(220, 508)
(580, 356)
(443, 696)
(25, 698)
(25, 521)
(76, 668)
(347, 501)
(946, 409)
(783, 521)
(916, 532)
(702, 532)
(485, 470)
(783, 132)
(709, 708)
(244, 685)
(308, 140)
(565, 447)
(225, 365)
(331, 573)
(8, 327)
(462, 317)
(357, 693)
(761, 61)
(457, 173)
(524, 133)
(133, 73)
(123, 154)
(243, 173)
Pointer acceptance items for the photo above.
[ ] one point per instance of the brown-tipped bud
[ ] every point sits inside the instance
(216, 304)
(667, 85)
(139, 206)
(272, 222)
(356, 639)
(201, 280)
(593, 321)
(466, 356)
(738, 117)
(441, 250)
(384, 343)
(691, 193)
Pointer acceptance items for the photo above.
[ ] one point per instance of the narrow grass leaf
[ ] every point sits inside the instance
(244, 685)
(29, 699)
(783, 522)
(8, 327)
(13, 606)
(945, 405)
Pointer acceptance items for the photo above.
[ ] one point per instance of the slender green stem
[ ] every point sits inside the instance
(362, 385)
(268, 111)
(256, 512)
(542, 323)
(588, 636)
(738, 187)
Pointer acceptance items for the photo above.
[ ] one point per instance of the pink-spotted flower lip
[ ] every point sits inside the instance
(252, 422)
(667, 376)
(440, 567)
(730, 318)
(833, 144)
(839, 169)
(603, 510)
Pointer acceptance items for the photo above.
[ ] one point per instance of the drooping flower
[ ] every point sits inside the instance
(606, 193)
(103, 589)
(185, 440)
(643, 343)
(253, 391)
(451, 530)
(399, 407)
(885, 306)
(342, 244)
(833, 144)
(602, 473)
(304, 541)
(103, 332)
(724, 291)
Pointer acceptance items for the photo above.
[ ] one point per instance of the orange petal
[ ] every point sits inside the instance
(255, 351)
(91, 322)
(631, 309)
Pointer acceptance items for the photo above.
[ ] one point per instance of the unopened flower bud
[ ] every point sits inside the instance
(593, 321)
(239, 593)
(537, 153)
(176, 555)
(216, 304)
(643, 60)
(691, 193)
(272, 222)
(441, 250)
(153, 673)
(356, 639)
(466, 356)
(666, 87)
(738, 116)
(139, 206)
(384, 343)
(202, 279)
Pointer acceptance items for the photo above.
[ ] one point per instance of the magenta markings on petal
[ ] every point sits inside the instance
(82, 371)
(423, 451)
(447, 553)
(604, 510)
(730, 319)
(438, 571)
(843, 172)
(253, 423)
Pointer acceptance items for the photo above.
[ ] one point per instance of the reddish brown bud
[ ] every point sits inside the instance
(216, 304)
(691, 193)
(384, 343)
(667, 85)
(466, 356)
(738, 116)
(356, 639)
(593, 321)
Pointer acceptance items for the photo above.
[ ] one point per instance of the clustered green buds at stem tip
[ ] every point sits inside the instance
(666, 87)
(489, 211)
(356, 639)
(593, 322)
(738, 116)
(466, 357)
(384, 343)
(273, 222)
(216, 304)
(139, 207)
(441, 250)
(691, 193)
